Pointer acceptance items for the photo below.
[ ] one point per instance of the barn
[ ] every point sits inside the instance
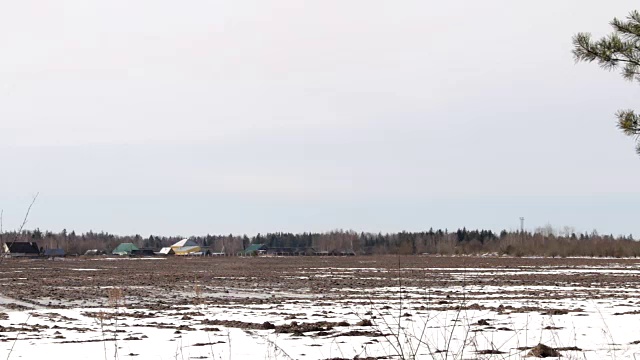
(124, 249)
(21, 249)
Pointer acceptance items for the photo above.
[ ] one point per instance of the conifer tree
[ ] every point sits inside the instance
(619, 50)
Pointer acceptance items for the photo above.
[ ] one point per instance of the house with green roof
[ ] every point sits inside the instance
(254, 249)
(124, 249)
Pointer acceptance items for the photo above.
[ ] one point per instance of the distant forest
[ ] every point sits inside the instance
(541, 242)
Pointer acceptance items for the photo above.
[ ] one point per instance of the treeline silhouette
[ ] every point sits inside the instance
(541, 242)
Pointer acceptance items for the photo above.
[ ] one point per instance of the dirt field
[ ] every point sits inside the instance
(314, 301)
(151, 282)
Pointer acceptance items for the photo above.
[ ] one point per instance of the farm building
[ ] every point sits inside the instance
(92, 252)
(143, 252)
(184, 242)
(51, 253)
(342, 253)
(280, 251)
(124, 249)
(334, 252)
(182, 247)
(21, 249)
(284, 251)
(209, 252)
(188, 250)
(254, 249)
(166, 251)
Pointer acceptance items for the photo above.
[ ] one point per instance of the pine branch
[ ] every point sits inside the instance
(629, 29)
(628, 122)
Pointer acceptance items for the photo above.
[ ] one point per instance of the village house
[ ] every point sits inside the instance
(21, 249)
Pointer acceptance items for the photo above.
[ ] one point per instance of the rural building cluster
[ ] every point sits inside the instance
(545, 241)
(184, 247)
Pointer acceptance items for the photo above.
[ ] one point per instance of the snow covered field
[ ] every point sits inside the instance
(590, 311)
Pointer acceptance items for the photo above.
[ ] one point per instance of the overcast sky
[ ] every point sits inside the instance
(195, 117)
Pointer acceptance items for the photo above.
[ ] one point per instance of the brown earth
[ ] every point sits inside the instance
(161, 284)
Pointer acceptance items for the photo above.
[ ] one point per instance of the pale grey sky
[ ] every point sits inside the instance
(198, 117)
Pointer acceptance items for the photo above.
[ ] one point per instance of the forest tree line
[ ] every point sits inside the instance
(540, 242)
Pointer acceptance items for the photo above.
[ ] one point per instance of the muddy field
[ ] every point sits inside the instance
(318, 307)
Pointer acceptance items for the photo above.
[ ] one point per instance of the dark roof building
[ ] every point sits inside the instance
(21, 248)
(143, 252)
(54, 253)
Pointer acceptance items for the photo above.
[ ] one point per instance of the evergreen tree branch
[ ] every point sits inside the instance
(628, 122)
(618, 49)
